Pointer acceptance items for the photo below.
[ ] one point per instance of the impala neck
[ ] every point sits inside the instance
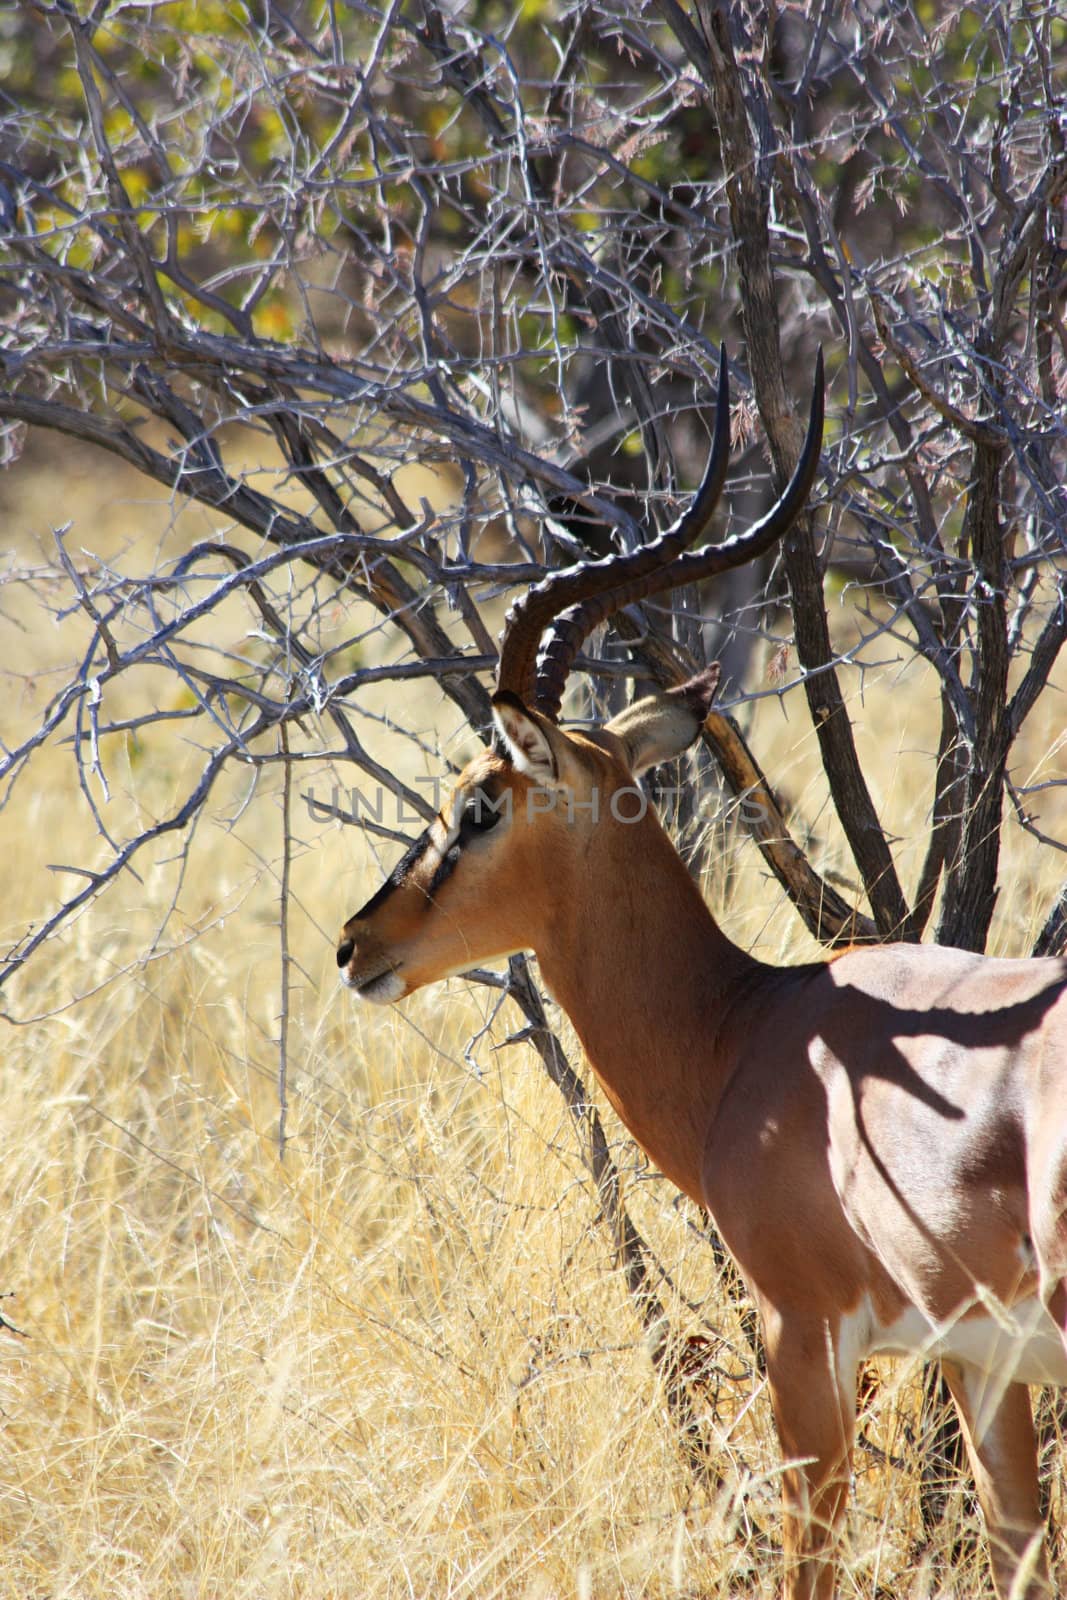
(655, 990)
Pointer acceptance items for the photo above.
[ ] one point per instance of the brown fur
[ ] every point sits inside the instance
(879, 1136)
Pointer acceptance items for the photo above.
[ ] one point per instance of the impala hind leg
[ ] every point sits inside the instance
(999, 1433)
(813, 1390)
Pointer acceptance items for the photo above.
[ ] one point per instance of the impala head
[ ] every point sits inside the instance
(496, 868)
(495, 871)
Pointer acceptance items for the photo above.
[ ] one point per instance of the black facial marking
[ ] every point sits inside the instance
(445, 867)
(482, 810)
(397, 876)
(478, 817)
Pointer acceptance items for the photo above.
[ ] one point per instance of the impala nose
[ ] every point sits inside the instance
(344, 952)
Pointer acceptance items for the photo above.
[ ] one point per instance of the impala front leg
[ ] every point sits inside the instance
(812, 1376)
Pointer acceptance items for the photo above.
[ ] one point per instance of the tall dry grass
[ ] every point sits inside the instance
(401, 1362)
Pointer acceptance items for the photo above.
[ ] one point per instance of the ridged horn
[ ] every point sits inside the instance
(571, 628)
(575, 608)
(560, 591)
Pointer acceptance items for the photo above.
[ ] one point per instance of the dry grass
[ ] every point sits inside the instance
(400, 1363)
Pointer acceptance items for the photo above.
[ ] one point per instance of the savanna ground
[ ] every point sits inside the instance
(401, 1361)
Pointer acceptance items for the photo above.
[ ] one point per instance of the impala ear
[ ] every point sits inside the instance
(662, 726)
(696, 694)
(530, 738)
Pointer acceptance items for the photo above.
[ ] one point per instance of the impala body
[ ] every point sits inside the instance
(881, 1137)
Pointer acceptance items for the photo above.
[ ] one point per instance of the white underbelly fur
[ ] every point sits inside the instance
(1020, 1344)
(997, 1345)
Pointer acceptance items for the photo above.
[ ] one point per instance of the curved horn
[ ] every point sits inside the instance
(580, 598)
(530, 615)
(572, 627)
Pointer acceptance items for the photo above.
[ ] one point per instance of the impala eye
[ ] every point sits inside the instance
(480, 814)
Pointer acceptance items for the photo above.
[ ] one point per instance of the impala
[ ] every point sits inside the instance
(880, 1137)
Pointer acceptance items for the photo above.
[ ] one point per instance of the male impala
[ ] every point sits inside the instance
(880, 1137)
